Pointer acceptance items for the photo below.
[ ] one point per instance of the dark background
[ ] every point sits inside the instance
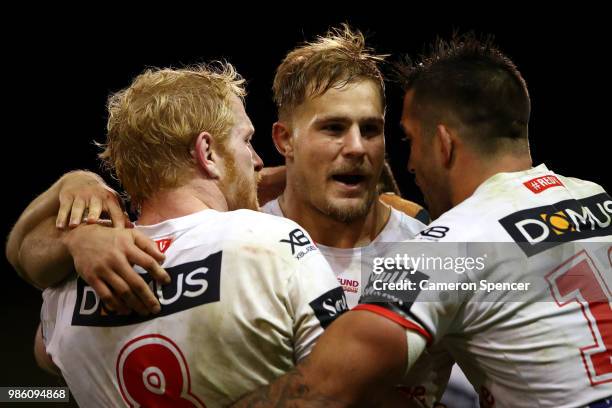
(61, 70)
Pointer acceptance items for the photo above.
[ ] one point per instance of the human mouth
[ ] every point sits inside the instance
(349, 179)
(350, 182)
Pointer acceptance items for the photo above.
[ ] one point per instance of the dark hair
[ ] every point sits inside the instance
(469, 82)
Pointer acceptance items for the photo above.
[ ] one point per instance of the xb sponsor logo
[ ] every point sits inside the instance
(541, 228)
(435, 232)
(296, 238)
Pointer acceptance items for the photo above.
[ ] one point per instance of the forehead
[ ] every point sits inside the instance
(242, 122)
(407, 111)
(407, 107)
(356, 99)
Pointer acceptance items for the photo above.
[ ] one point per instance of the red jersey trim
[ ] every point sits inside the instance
(382, 311)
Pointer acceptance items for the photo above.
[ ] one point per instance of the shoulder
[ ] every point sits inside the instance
(272, 207)
(407, 222)
(475, 219)
(275, 233)
(582, 188)
(265, 226)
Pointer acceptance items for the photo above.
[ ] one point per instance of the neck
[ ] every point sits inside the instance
(329, 231)
(472, 172)
(197, 195)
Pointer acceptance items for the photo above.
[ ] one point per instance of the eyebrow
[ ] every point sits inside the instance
(250, 131)
(337, 118)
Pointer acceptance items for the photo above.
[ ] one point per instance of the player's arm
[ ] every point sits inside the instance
(44, 254)
(272, 183)
(34, 246)
(43, 359)
(356, 362)
(410, 208)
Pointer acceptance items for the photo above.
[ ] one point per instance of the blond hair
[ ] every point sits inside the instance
(334, 60)
(152, 124)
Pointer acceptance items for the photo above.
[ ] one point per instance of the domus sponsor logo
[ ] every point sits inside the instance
(538, 229)
(192, 284)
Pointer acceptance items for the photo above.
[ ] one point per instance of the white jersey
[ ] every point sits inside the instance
(250, 295)
(348, 266)
(346, 262)
(545, 345)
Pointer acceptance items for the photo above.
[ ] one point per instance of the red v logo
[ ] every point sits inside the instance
(163, 244)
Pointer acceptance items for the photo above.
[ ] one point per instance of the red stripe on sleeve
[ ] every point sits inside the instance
(382, 311)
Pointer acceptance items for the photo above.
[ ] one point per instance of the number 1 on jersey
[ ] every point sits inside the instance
(579, 280)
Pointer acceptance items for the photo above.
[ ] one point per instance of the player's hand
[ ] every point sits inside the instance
(84, 193)
(104, 256)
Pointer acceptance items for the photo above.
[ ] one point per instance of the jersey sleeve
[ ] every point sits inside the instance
(428, 377)
(53, 316)
(311, 293)
(48, 315)
(317, 300)
(417, 285)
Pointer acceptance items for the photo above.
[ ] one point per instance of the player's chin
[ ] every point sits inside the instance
(352, 199)
(348, 208)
